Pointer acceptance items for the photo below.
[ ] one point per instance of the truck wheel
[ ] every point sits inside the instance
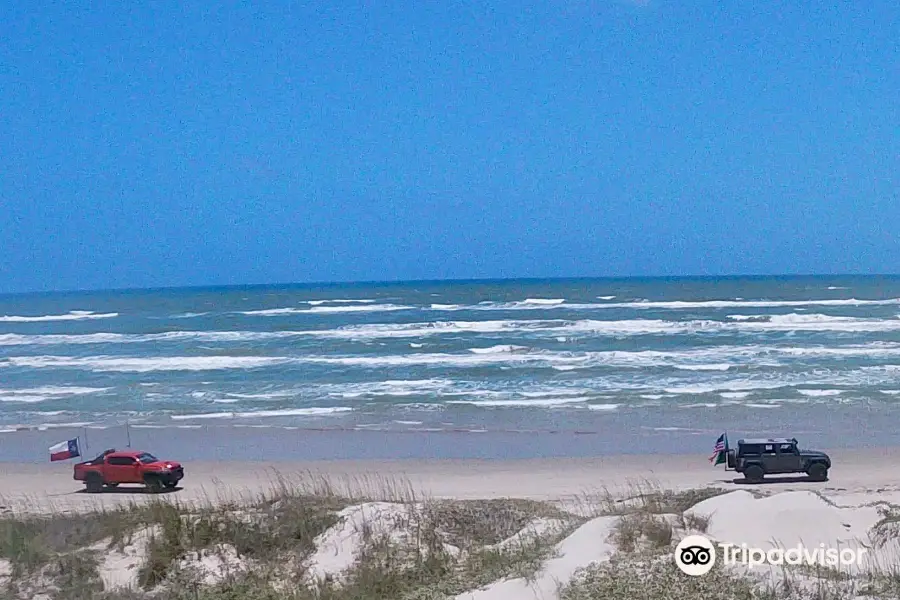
(154, 484)
(94, 484)
(818, 472)
(170, 484)
(754, 474)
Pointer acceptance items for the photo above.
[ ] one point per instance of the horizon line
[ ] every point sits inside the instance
(449, 280)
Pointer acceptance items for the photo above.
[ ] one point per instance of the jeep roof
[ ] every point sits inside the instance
(769, 441)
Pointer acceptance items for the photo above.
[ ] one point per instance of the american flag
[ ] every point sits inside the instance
(720, 447)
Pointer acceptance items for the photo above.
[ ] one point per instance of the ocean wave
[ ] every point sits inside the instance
(14, 339)
(274, 312)
(713, 358)
(25, 399)
(287, 412)
(356, 309)
(144, 365)
(502, 348)
(522, 403)
(560, 329)
(272, 395)
(735, 395)
(677, 304)
(75, 315)
(322, 309)
(819, 393)
(340, 301)
(400, 388)
(537, 303)
(617, 328)
(504, 354)
(707, 388)
(44, 393)
(50, 390)
(829, 379)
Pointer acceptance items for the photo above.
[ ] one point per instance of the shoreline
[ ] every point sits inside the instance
(223, 443)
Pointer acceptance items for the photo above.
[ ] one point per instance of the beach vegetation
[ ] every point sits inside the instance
(307, 539)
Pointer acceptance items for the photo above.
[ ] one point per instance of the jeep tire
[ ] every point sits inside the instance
(94, 483)
(754, 474)
(818, 472)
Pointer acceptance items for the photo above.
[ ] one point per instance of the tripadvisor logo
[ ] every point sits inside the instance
(696, 555)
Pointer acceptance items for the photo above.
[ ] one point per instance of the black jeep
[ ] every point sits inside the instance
(758, 458)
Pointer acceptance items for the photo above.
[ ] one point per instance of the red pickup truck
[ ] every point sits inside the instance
(129, 466)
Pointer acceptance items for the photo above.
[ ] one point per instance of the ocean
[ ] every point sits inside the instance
(570, 367)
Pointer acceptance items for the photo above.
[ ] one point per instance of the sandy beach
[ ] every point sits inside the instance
(856, 474)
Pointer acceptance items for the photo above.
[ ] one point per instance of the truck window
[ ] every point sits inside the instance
(120, 460)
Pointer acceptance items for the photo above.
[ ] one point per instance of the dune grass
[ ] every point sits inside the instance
(447, 547)
(259, 547)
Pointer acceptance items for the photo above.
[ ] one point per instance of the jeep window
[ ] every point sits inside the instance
(786, 448)
(147, 458)
(769, 449)
(120, 460)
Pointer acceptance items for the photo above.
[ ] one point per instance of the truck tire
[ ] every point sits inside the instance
(154, 484)
(754, 474)
(818, 472)
(170, 484)
(94, 483)
(112, 485)
(729, 459)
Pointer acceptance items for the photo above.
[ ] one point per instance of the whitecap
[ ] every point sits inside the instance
(499, 349)
(355, 309)
(287, 412)
(144, 365)
(538, 402)
(55, 390)
(75, 315)
(340, 301)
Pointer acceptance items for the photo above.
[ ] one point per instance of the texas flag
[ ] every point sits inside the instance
(64, 450)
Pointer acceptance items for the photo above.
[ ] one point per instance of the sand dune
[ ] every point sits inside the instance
(597, 500)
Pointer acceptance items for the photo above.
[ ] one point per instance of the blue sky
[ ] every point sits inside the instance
(194, 145)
